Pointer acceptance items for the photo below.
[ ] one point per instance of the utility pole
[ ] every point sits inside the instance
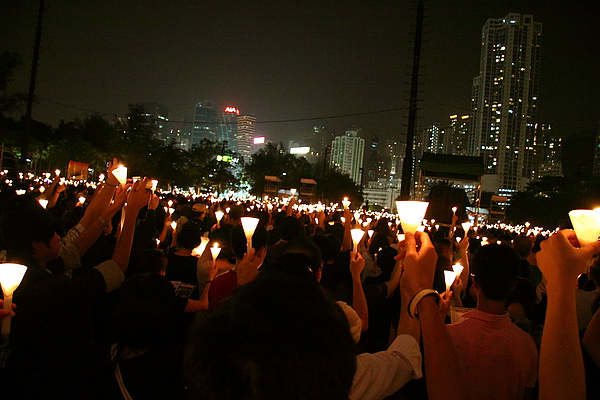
(30, 97)
(407, 167)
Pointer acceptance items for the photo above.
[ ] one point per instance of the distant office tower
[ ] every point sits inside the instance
(457, 134)
(229, 127)
(156, 116)
(549, 152)
(246, 129)
(504, 102)
(206, 122)
(374, 164)
(347, 154)
(318, 141)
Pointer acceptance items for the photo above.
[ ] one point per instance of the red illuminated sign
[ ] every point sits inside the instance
(232, 110)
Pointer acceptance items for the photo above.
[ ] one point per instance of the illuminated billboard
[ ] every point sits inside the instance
(232, 110)
(299, 150)
(259, 140)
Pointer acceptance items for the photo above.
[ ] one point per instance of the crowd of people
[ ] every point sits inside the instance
(123, 298)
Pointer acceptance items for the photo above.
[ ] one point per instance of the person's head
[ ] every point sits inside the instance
(189, 236)
(198, 211)
(291, 228)
(522, 245)
(299, 256)
(278, 337)
(151, 261)
(237, 238)
(329, 246)
(380, 241)
(28, 231)
(495, 268)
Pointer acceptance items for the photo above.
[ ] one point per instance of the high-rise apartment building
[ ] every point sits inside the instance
(347, 154)
(246, 129)
(206, 122)
(434, 139)
(504, 102)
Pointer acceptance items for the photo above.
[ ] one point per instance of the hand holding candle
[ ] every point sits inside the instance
(411, 214)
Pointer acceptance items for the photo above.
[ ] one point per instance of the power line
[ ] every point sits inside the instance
(396, 109)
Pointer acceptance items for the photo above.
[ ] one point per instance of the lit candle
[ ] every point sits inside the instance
(586, 224)
(215, 250)
(458, 268)
(154, 184)
(449, 277)
(10, 278)
(346, 203)
(454, 209)
(357, 235)
(401, 237)
(197, 252)
(370, 233)
(170, 203)
(121, 174)
(466, 226)
(81, 199)
(293, 192)
(173, 225)
(249, 224)
(43, 202)
(57, 172)
(219, 215)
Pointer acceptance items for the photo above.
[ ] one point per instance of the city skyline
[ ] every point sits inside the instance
(291, 62)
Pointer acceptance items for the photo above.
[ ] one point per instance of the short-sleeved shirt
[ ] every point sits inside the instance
(499, 358)
(382, 374)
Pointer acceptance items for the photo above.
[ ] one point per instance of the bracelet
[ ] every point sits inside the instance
(414, 302)
(207, 282)
(102, 221)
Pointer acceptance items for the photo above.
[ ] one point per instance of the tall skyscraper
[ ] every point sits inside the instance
(229, 127)
(246, 129)
(504, 102)
(434, 137)
(206, 122)
(347, 154)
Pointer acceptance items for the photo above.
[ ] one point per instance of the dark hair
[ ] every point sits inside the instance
(523, 293)
(379, 241)
(522, 245)
(495, 268)
(189, 236)
(328, 245)
(23, 222)
(258, 345)
(151, 261)
(237, 238)
(291, 228)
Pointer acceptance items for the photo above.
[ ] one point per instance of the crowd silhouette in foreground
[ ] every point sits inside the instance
(123, 298)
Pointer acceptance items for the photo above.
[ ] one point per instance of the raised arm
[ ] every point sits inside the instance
(359, 302)
(562, 374)
(138, 198)
(445, 376)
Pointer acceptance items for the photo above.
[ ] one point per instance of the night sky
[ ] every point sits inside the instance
(290, 60)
